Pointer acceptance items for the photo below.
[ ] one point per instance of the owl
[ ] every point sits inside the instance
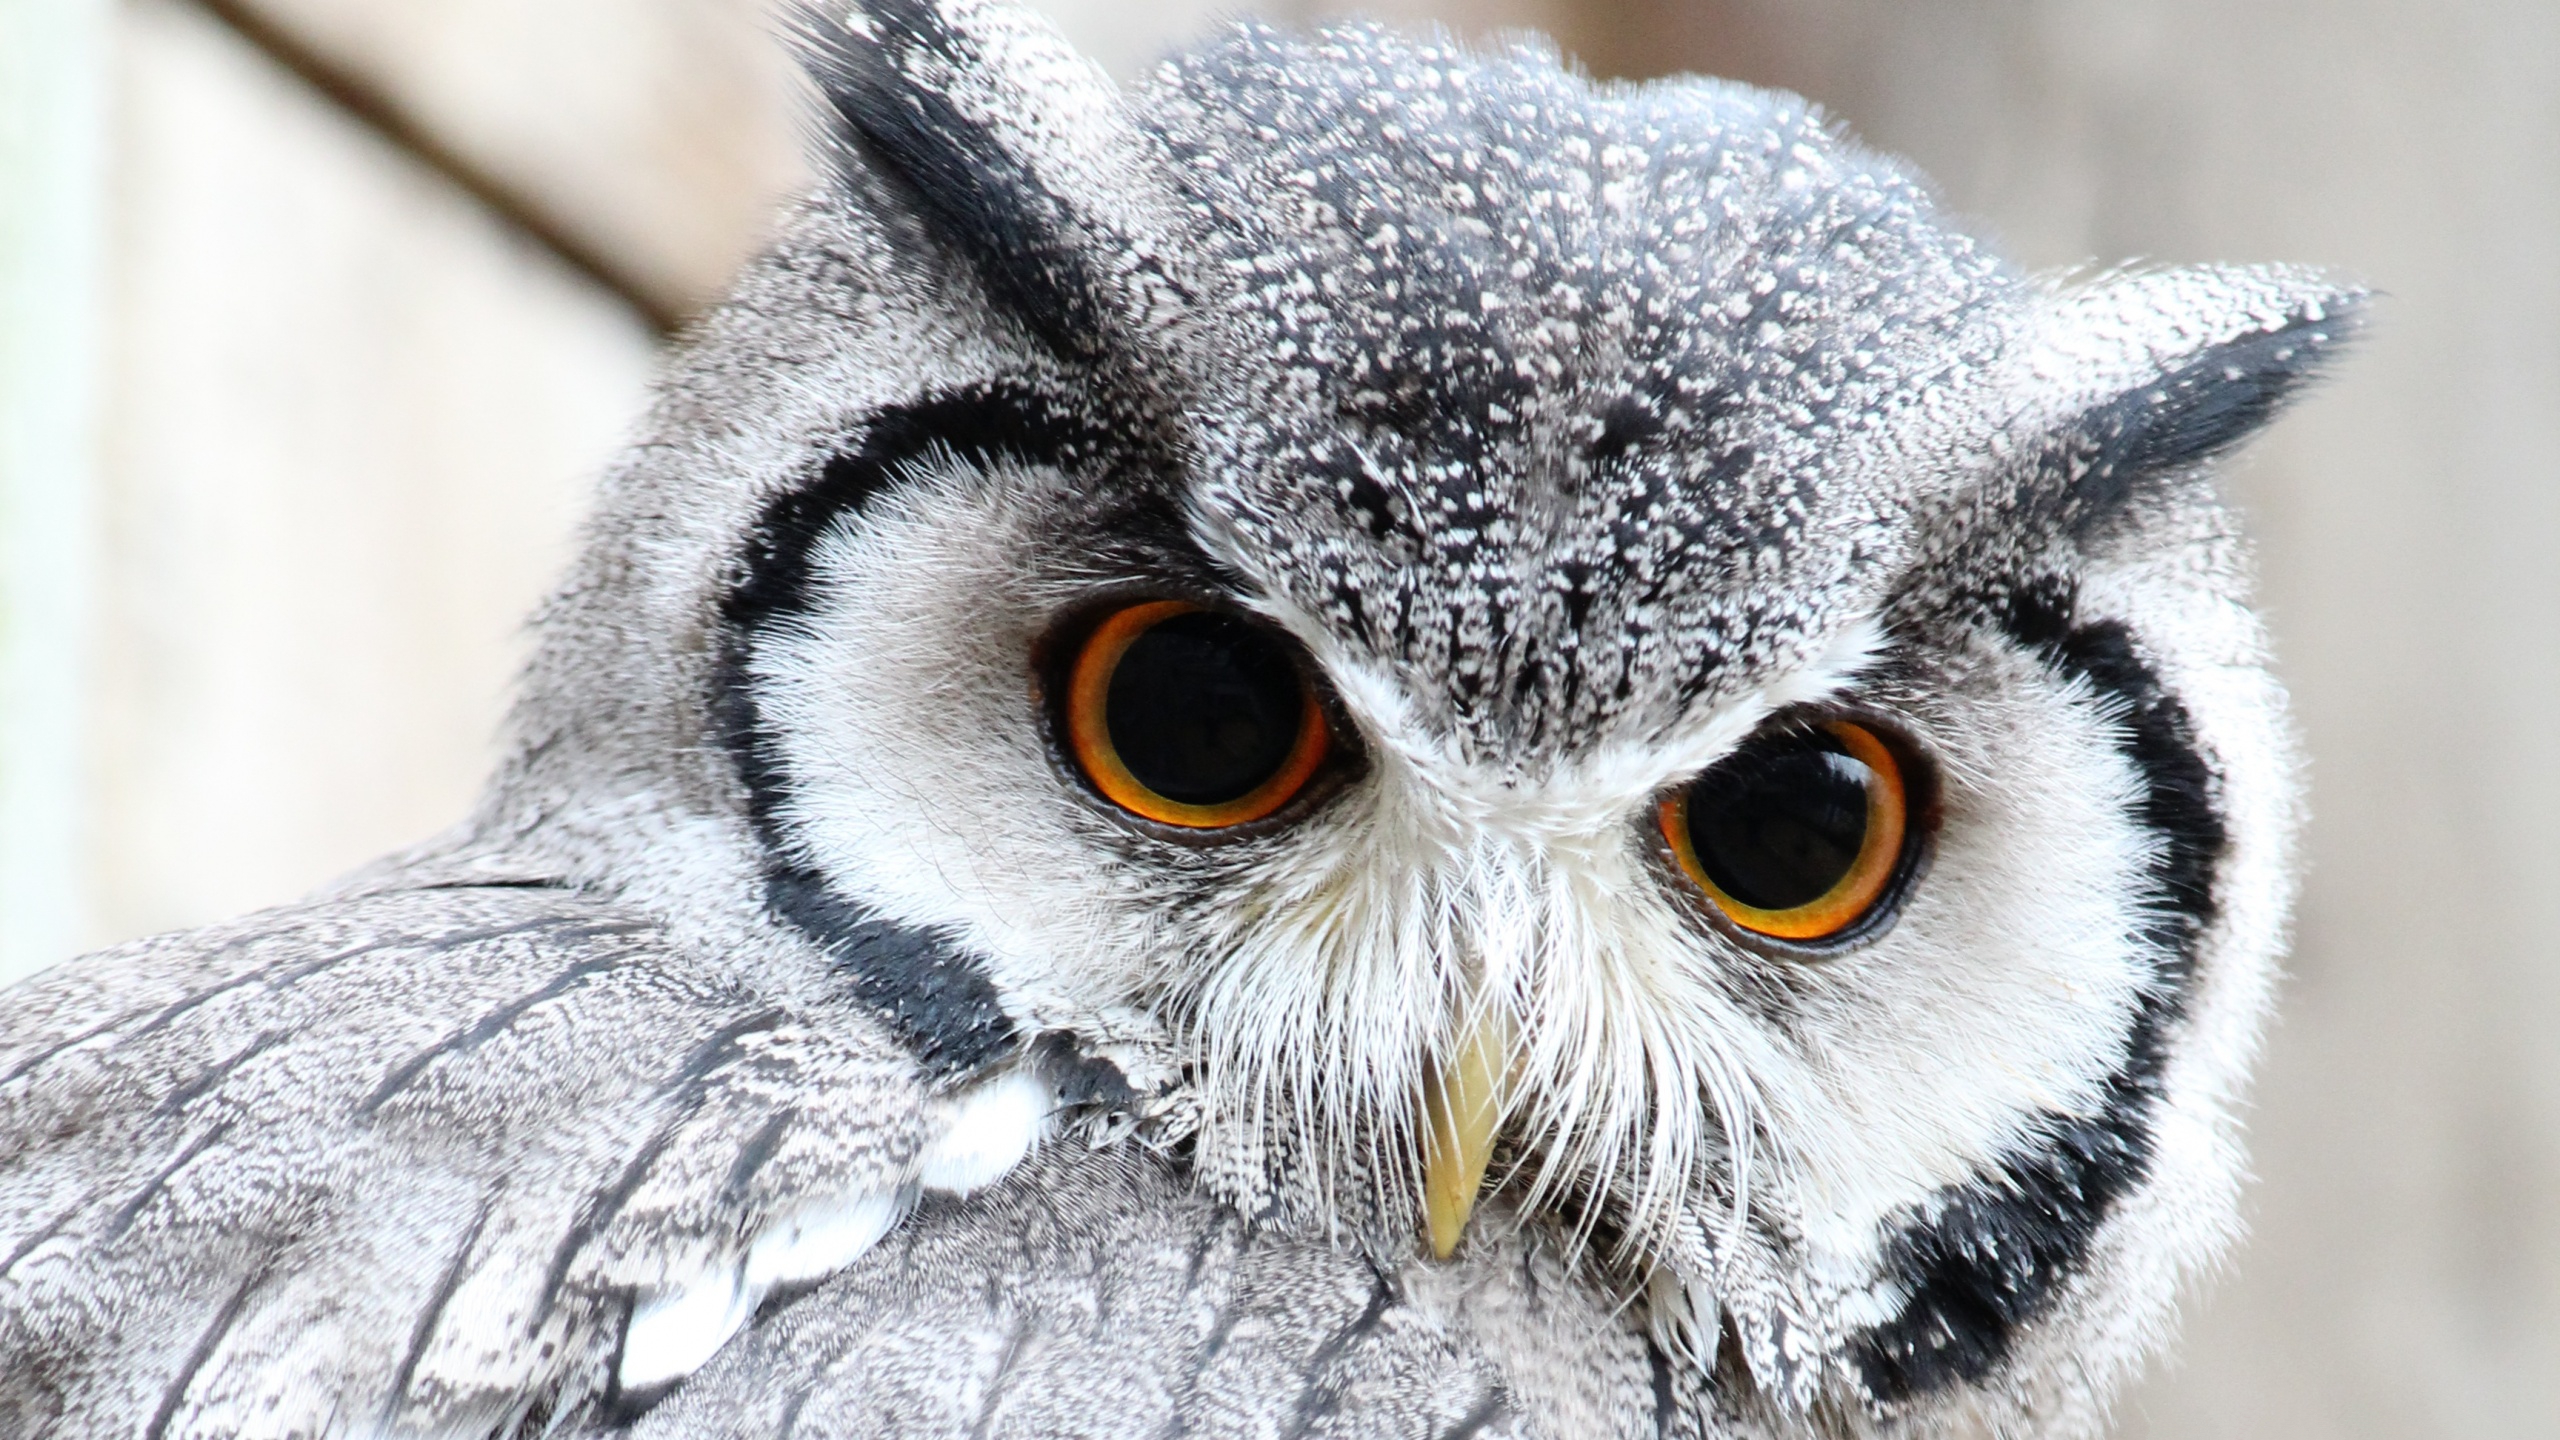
(1371, 741)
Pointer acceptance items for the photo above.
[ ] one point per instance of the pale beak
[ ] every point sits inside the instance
(1462, 1106)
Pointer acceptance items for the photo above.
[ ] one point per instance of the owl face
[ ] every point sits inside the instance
(1512, 655)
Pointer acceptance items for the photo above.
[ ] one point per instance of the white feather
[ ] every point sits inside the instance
(674, 1332)
(819, 1239)
(988, 1131)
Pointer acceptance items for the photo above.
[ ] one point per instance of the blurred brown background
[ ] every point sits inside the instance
(318, 316)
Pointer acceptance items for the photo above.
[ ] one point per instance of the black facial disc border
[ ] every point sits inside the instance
(935, 996)
(1991, 1255)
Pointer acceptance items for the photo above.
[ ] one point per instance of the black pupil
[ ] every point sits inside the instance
(1778, 823)
(1203, 708)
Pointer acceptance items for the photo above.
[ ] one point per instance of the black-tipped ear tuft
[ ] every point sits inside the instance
(899, 78)
(1020, 158)
(2212, 402)
(2216, 355)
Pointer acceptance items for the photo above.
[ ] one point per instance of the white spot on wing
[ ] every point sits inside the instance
(989, 1130)
(819, 1239)
(675, 1331)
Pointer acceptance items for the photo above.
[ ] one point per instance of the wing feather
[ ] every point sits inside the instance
(1097, 1294)
(407, 1161)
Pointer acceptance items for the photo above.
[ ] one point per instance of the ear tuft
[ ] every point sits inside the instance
(2166, 371)
(1017, 153)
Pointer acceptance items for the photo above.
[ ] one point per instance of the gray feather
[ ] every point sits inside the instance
(400, 1159)
(1099, 1295)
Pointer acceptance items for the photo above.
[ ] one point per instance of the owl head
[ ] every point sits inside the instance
(1472, 653)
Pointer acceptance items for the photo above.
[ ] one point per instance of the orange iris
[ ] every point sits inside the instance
(1798, 834)
(1192, 717)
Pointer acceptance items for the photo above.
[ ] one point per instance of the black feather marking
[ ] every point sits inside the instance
(1230, 1308)
(601, 1206)
(483, 1030)
(618, 1408)
(285, 977)
(935, 996)
(753, 1155)
(278, 976)
(1083, 1082)
(424, 1330)
(2196, 412)
(131, 1210)
(176, 1101)
(979, 425)
(1015, 1346)
(1202, 1357)
(1208, 1241)
(1986, 1258)
(175, 1392)
(1627, 422)
(1475, 1422)
(28, 1246)
(981, 201)
(1322, 1396)
(1665, 1407)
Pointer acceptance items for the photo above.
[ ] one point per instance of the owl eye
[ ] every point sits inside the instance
(1192, 717)
(1797, 835)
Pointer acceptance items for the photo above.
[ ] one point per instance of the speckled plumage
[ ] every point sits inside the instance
(790, 1046)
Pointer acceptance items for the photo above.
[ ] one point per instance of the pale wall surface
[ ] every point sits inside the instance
(354, 414)
(350, 422)
(53, 124)
(656, 134)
